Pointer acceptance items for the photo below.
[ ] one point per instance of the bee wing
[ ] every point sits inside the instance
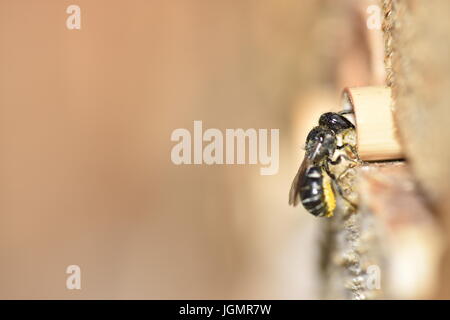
(294, 193)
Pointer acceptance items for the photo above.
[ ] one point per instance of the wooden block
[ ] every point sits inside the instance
(409, 236)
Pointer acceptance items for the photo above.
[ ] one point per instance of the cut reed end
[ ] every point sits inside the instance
(377, 134)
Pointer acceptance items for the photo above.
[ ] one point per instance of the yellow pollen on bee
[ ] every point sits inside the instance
(328, 192)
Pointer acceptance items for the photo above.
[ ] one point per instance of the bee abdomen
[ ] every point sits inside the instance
(312, 192)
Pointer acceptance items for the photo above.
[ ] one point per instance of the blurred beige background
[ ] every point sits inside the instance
(86, 118)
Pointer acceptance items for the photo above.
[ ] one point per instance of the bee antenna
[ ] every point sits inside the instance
(346, 112)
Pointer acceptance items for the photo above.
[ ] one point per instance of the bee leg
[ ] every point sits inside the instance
(341, 193)
(339, 160)
(346, 145)
(337, 186)
(327, 170)
(346, 112)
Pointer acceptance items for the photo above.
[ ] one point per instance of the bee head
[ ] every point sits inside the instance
(320, 143)
(335, 121)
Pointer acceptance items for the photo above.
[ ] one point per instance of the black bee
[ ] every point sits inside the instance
(313, 182)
